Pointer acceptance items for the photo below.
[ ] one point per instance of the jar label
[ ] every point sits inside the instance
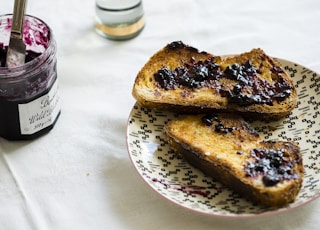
(39, 113)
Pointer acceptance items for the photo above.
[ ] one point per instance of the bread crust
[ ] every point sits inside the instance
(228, 157)
(147, 92)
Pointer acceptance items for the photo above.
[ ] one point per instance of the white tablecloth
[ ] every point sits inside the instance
(79, 176)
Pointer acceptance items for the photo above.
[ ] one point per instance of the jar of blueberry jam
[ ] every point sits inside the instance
(29, 99)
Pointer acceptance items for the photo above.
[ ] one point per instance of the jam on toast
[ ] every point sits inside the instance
(226, 148)
(180, 78)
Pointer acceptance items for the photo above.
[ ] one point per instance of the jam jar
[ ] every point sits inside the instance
(29, 94)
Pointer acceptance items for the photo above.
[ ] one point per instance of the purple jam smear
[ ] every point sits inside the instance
(249, 88)
(191, 75)
(272, 165)
(212, 119)
(32, 37)
(188, 189)
(178, 45)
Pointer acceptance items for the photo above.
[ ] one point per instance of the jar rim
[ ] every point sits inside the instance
(15, 71)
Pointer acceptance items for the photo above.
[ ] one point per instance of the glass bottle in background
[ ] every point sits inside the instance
(119, 19)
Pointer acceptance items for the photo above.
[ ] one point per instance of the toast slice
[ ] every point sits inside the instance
(182, 79)
(226, 148)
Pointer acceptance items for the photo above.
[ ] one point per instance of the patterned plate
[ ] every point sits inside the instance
(176, 180)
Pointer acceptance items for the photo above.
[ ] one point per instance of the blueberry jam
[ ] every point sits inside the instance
(248, 88)
(219, 127)
(13, 95)
(191, 75)
(272, 165)
(177, 45)
(29, 98)
(251, 89)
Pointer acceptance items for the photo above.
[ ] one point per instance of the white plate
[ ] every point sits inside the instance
(176, 180)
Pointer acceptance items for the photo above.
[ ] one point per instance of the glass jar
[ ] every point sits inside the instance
(29, 99)
(119, 20)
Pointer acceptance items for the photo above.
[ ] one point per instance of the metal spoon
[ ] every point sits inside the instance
(17, 49)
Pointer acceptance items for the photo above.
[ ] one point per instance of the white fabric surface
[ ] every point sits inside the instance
(79, 175)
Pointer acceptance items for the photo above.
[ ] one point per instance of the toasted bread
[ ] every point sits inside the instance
(180, 78)
(226, 148)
